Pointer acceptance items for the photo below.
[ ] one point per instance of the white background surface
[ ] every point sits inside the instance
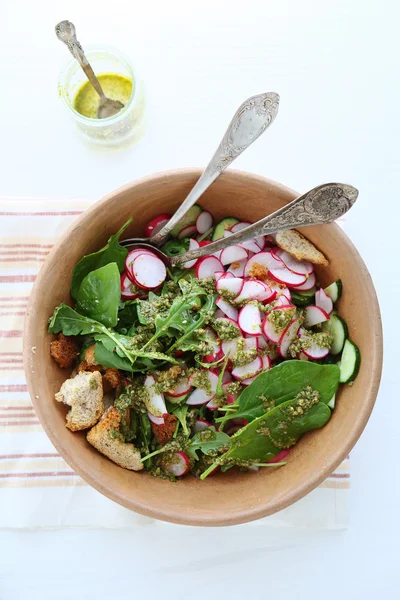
(336, 67)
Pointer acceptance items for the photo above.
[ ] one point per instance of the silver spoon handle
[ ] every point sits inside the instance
(251, 119)
(323, 204)
(66, 32)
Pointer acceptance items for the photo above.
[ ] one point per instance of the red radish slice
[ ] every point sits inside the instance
(287, 337)
(156, 224)
(265, 259)
(230, 347)
(193, 245)
(266, 362)
(179, 465)
(268, 328)
(204, 222)
(212, 378)
(233, 285)
(226, 377)
(280, 456)
(254, 290)
(155, 403)
(301, 267)
(251, 246)
(181, 389)
(237, 268)
(218, 314)
(219, 274)
(323, 301)
(233, 254)
(250, 319)
(308, 285)
(239, 226)
(156, 420)
(148, 271)
(207, 266)
(129, 290)
(227, 320)
(200, 425)
(281, 300)
(314, 316)
(187, 231)
(229, 310)
(228, 275)
(204, 243)
(316, 352)
(261, 342)
(248, 381)
(198, 397)
(260, 241)
(249, 370)
(131, 257)
(287, 277)
(231, 396)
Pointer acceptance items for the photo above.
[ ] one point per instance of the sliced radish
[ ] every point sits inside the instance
(228, 275)
(129, 290)
(204, 243)
(239, 226)
(226, 377)
(131, 257)
(233, 254)
(250, 319)
(268, 328)
(181, 389)
(248, 381)
(264, 259)
(261, 342)
(233, 323)
(148, 271)
(287, 277)
(232, 396)
(314, 316)
(281, 300)
(301, 267)
(254, 290)
(187, 231)
(155, 403)
(229, 310)
(230, 284)
(219, 274)
(193, 245)
(230, 347)
(314, 352)
(200, 425)
(288, 336)
(251, 246)
(249, 370)
(204, 222)
(259, 241)
(280, 456)
(323, 301)
(179, 464)
(156, 420)
(218, 314)
(308, 285)
(237, 268)
(207, 266)
(156, 224)
(266, 362)
(212, 378)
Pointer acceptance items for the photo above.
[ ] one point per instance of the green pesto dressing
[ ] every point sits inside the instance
(115, 86)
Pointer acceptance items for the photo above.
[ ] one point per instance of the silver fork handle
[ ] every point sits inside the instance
(323, 204)
(251, 119)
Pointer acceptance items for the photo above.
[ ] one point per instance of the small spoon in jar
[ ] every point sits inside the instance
(66, 33)
(323, 204)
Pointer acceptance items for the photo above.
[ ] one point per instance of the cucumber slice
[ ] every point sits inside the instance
(189, 219)
(338, 329)
(332, 401)
(220, 227)
(334, 290)
(303, 298)
(175, 400)
(350, 362)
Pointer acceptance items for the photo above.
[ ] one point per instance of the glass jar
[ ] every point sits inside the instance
(119, 128)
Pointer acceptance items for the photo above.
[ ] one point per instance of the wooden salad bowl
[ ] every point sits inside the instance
(224, 498)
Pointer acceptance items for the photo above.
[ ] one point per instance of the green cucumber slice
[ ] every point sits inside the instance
(189, 219)
(338, 329)
(334, 290)
(303, 298)
(350, 362)
(222, 226)
(332, 401)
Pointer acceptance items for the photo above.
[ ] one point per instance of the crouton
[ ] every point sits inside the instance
(64, 350)
(84, 366)
(165, 432)
(100, 436)
(111, 380)
(84, 394)
(88, 355)
(298, 246)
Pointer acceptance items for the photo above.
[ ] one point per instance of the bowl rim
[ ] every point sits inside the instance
(241, 515)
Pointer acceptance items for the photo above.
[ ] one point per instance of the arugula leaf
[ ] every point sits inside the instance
(99, 295)
(282, 383)
(269, 434)
(196, 321)
(111, 252)
(111, 359)
(181, 413)
(208, 442)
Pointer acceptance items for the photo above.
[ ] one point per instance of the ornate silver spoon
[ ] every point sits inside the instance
(251, 119)
(323, 204)
(66, 32)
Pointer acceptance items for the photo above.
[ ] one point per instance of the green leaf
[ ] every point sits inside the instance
(282, 383)
(111, 359)
(208, 442)
(111, 252)
(190, 324)
(181, 413)
(67, 320)
(99, 295)
(127, 315)
(269, 434)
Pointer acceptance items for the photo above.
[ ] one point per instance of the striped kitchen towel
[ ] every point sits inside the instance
(37, 487)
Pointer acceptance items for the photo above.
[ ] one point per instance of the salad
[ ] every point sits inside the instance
(225, 362)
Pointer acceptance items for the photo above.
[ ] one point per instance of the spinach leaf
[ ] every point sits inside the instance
(111, 252)
(282, 383)
(127, 316)
(99, 295)
(208, 441)
(111, 359)
(175, 247)
(269, 434)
